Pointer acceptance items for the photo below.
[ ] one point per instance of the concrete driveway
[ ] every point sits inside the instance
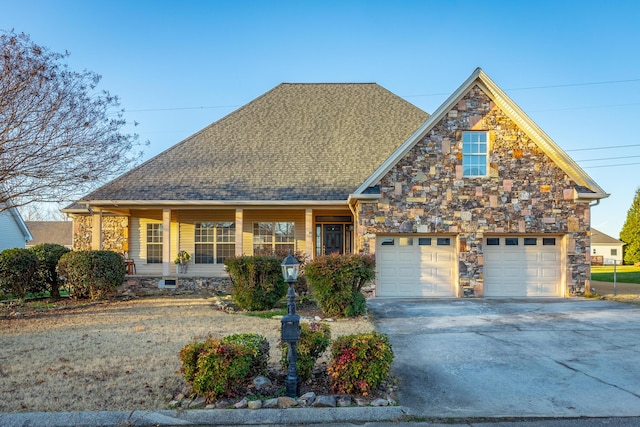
(526, 358)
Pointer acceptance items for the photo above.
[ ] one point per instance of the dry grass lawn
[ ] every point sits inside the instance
(115, 355)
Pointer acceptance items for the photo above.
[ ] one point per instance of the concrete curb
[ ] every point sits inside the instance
(195, 417)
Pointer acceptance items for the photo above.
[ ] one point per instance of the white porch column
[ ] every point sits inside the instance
(239, 231)
(166, 242)
(308, 232)
(96, 230)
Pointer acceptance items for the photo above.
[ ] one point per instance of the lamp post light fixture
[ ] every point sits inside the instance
(291, 325)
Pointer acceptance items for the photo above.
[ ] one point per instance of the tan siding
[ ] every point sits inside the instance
(138, 247)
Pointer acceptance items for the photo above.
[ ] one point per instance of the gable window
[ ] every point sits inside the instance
(154, 243)
(474, 154)
(214, 241)
(273, 237)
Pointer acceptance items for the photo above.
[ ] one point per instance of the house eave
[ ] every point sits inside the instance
(105, 204)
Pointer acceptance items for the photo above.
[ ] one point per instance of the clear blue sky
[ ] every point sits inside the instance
(572, 66)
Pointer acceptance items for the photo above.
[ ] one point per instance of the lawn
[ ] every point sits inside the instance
(114, 355)
(624, 274)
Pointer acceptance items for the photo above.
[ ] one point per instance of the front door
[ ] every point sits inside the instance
(333, 238)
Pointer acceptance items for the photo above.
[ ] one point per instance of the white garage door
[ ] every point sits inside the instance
(522, 266)
(417, 266)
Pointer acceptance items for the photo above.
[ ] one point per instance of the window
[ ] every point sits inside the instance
(214, 241)
(530, 241)
(511, 241)
(614, 252)
(387, 241)
(474, 154)
(273, 237)
(154, 243)
(548, 241)
(493, 241)
(406, 241)
(424, 241)
(443, 241)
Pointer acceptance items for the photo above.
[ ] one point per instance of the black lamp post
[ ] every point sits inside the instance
(291, 325)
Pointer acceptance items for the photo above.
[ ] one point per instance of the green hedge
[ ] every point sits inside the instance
(49, 255)
(257, 281)
(19, 272)
(336, 281)
(92, 274)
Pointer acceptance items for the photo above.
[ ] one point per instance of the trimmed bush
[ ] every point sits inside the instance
(359, 363)
(19, 272)
(219, 368)
(92, 274)
(336, 281)
(314, 340)
(257, 281)
(48, 256)
(259, 350)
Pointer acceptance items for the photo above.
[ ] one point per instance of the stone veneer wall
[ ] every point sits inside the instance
(525, 192)
(114, 233)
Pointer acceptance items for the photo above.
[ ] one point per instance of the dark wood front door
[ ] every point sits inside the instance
(333, 238)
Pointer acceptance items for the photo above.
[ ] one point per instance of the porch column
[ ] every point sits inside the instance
(166, 242)
(308, 232)
(239, 231)
(96, 230)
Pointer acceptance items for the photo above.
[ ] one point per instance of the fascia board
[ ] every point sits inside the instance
(197, 203)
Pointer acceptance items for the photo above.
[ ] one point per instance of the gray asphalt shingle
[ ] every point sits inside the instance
(295, 142)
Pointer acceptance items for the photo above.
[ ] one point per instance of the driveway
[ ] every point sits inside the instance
(526, 358)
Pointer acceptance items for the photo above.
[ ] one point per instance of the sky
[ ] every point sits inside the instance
(178, 66)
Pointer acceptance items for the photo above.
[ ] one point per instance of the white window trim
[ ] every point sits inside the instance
(486, 155)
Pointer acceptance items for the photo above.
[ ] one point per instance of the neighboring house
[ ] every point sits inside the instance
(60, 232)
(474, 200)
(605, 250)
(14, 233)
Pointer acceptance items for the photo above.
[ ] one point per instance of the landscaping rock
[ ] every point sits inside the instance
(361, 402)
(325, 402)
(270, 403)
(261, 382)
(241, 404)
(343, 401)
(198, 403)
(286, 402)
(307, 399)
(254, 404)
(380, 402)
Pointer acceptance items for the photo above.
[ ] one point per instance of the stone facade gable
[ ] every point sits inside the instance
(525, 193)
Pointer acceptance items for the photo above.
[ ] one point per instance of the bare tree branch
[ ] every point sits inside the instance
(60, 137)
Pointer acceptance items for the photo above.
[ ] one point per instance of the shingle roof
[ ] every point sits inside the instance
(598, 237)
(295, 142)
(60, 232)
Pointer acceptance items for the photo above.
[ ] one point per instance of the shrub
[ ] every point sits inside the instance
(336, 281)
(359, 363)
(314, 340)
(18, 272)
(216, 368)
(257, 281)
(48, 256)
(93, 274)
(259, 347)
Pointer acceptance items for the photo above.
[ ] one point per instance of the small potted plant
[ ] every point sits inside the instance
(181, 261)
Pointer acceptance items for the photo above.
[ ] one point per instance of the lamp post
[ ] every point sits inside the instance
(291, 325)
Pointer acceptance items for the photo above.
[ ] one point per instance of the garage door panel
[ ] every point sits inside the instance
(418, 268)
(522, 270)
